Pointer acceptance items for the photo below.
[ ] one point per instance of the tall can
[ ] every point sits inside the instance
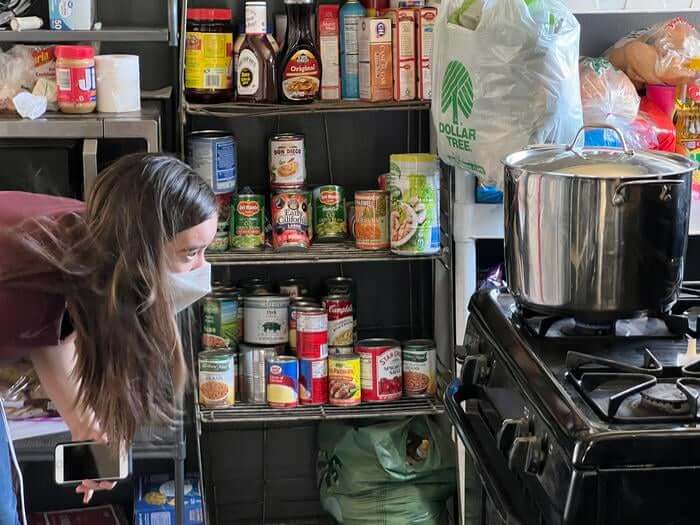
(290, 214)
(212, 155)
(372, 220)
(287, 161)
(283, 382)
(312, 333)
(342, 285)
(248, 222)
(252, 384)
(313, 381)
(341, 324)
(293, 314)
(351, 15)
(221, 320)
(330, 221)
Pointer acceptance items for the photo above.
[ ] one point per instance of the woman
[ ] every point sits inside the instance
(89, 293)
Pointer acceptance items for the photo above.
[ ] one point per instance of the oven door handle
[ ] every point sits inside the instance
(500, 483)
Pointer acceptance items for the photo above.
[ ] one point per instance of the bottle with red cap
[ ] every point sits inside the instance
(209, 55)
(75, 79)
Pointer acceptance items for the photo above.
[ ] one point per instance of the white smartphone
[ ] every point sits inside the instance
(88, 460)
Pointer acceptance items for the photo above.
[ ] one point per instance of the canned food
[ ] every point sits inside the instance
(212, 155)
(419, 368)
(265, 319)
(344, 380)
(313, 381)
(381, 369)
(372, 220)
(339, 350)
(221, 238)
(293, 288)
(312, 333)
(252, 385)
(350, 214)
(248, 222)
(341, 286)
(221, 320)
(414, 184)
(282, 382)
(256, 287)
(289, 212)
(330, 222)
(341, 324)
(294, 309)
(287, 161)
(217, 378)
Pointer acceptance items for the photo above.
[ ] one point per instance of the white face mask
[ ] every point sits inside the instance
(189, 287)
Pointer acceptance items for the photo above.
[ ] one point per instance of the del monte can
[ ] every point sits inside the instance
(248, 222)
(330, 218)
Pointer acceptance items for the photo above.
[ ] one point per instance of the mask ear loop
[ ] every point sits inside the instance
(15, 463)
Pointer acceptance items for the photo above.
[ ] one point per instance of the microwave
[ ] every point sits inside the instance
(62, 154)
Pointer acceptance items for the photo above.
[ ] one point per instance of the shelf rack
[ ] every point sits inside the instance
(262, 413)
(107, 34)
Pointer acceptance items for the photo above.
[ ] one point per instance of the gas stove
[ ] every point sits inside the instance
(580, 424)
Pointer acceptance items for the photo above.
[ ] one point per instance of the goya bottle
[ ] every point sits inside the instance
(350, 15)
(299, 69)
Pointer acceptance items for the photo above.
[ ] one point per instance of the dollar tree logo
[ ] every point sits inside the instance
(457, 93)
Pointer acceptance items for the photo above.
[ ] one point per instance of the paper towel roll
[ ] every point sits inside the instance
(118, 83)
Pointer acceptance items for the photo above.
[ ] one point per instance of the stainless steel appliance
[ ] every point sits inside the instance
(570, 426)
(596, 233)
(62, 154)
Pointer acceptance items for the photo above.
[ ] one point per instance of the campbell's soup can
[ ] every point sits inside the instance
(344, 380)
(282, 382)
(291, 219)
(287, 161)
(312, 333)
(382, 378)
(293, 313)
(313, 381)
(341, 323)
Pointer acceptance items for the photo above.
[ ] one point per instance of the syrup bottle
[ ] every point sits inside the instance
(256, 69)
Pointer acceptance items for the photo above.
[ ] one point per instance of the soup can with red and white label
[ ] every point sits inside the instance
(341, 324)
(381, 370)
(313, 381)
(293, 311)
(312, 333)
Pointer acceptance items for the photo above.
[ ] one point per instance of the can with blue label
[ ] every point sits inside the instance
(213, 156)
(283, 382)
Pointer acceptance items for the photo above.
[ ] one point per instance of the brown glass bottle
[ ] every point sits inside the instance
(299, 65)
(255, 67)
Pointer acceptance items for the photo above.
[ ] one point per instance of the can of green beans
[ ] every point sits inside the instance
(248, 222)
(330, 219)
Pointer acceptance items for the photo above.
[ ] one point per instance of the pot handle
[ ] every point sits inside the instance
(619, 198)
(625, 147)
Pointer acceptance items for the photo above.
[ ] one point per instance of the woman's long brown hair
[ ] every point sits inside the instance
(129, 359)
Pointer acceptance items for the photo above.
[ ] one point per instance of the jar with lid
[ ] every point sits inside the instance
(75, 79)
(300, 64)
(209, 55)
(255, 64)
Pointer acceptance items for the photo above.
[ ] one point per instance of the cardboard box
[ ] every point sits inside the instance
(328, 45)
(376, 75)
(403, 40)
(425, 27)
(104, 515)
(154, 502)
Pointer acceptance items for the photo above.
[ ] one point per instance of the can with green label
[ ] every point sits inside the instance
(330, 217)
(222, 321)
(248, 222)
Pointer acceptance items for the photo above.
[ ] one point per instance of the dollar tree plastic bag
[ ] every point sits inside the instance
(395, 473)
(508, 79)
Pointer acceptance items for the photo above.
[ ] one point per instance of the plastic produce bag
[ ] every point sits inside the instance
(395, 473)
(16, 74)
(606, 92)
(509, 82)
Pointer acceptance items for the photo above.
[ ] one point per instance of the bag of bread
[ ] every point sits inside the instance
(606, 93)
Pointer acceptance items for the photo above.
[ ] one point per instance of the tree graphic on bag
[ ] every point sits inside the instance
(457, 92)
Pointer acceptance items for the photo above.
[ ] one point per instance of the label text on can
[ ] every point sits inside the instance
(313, 381)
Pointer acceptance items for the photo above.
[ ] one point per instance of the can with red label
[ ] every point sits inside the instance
(293, 312)
(282, 382)
(312, 333)
(341, 324)
(313, 381)
(289, 211)
(381, 370)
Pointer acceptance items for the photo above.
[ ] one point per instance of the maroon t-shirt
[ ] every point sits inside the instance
(31, 310)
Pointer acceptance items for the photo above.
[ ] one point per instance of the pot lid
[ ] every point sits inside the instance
(572, 161)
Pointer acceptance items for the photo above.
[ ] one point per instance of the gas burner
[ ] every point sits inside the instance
(576, 363)
(587, 328)
(665, 397)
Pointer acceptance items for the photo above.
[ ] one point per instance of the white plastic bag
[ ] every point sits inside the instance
(510, 82)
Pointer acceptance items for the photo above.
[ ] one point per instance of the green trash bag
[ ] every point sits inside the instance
(395, 473)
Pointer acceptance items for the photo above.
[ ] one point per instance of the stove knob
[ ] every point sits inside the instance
(527, 454)
(511, 429)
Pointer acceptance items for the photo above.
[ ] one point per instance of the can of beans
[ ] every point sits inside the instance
(372, 220)
(248, 222)
(293, 288)
(381, 369)
(289, 212)
(312, 333)
(344, 380)
(252, 384)
(330, 222)
(287, 161)
(283, 382)
(419, 368)
(293, 314)
(217, 378)
(341, 324)
(212, 155)
(313, 381)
